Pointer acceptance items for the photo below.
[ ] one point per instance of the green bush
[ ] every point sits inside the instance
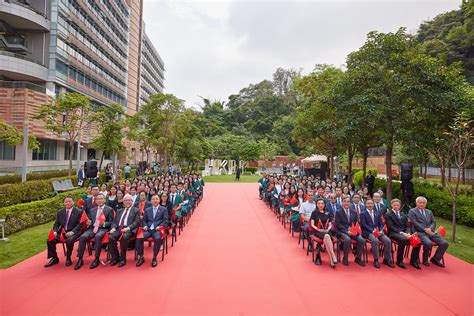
(34, 190)
(21, 216)
(201, 168)
(16, 178)
(358, 175)
(250, 169)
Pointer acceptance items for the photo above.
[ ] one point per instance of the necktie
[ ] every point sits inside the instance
(357, 209)
(93, 202)
(172, 199)
(424, 214)
(96, 223)
(372, 215)
(154, 214)
(348, 215)
(68, 213)
(378, 207)
(334, 208)
(398, 214)
(124, 216)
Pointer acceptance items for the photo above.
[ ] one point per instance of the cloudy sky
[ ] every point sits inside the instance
(215, 48)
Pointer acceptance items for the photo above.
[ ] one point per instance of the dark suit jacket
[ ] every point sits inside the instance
(88, 205)
(133, 218)
(396, 225)
(367, 225)
(361, 207)
(420, 222)
(160, 219)
(109, 217)
(331, 211)
(383, 208)
(73, 224)
(342, 223)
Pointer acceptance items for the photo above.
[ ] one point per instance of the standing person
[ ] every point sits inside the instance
(127, 170)
(81, 176)
(424, 224)
(155, 217)
(321, 224)
(68, 225)
(237, 173)
(99, 220)
(398, 230)
(345, 217)
(125, 226)
(369, 182)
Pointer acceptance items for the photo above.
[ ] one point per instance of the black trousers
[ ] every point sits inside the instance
(113, 238)
(346, 244)
(52, 253)
(88, 234)
(156, 235)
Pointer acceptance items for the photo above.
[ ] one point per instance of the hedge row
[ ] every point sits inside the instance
(22, 216)
(16, 178)
(359, 173)
(250, 169)
(11, 194)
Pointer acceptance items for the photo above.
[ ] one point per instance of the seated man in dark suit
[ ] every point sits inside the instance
(125, 224)
(345, 217)
(371, 222)
(91, 202)
(378, 204)
(356, 205)
(399, 231)
(424, 224)
(155, 217)
(67, 221)
(100, 219)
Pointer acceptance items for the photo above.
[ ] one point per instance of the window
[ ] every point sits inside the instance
(80, 77)
(72, 73)
(66, 151)
(90, 153)
(7, 152)
(47, 150)
(62, 68)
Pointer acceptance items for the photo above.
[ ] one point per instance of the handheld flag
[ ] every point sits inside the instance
(326, 225)
(162, 231)
(51, 235)
(353, 230)
(102, 218)
(62, 237)
(442, 231)
(140, 233)
(415, 240)
(319, 224)
(80, 202)
(105, 239)
(293, 201)
(376, 232)
(359, 230)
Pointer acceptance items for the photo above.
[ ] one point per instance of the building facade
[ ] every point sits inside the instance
(47, 48)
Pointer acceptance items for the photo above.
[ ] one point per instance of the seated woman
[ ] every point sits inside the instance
(321, 224)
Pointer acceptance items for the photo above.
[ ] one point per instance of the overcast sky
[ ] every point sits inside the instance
(215, 48)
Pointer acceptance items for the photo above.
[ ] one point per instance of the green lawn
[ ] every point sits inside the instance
(231, 178)
(28, 242)
(24, 244)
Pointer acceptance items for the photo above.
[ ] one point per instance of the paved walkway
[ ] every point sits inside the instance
(234, 258)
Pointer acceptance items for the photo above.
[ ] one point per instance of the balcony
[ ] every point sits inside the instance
(21, 15)
(21, 68)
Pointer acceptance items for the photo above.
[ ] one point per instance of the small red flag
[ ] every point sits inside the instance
(105, 239)
(326, 225)
(415, 240)
(140, 233)
(162, 231)
(51, 235)
(102, 218)
(442, 231)
(376, 232)
(80, 202)
(385, 229)
(62, 237)
(286, 200)
(293, 201)
(353, 230)
(359, 230)
(319, 224)
(84, 218)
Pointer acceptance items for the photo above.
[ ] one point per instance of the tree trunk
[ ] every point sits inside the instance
(388, 163)
(101, 160)
(463, 175)
(426, 170)
(449, 171)
(350, 157)
(365, 155)
(71, 156)
(443, 176)
(454, 219)
(421, 169)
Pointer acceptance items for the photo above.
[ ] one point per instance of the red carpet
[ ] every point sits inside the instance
(235, 258)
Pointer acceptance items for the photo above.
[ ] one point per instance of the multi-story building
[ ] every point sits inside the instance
(94, 47)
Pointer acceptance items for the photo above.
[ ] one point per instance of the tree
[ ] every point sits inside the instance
(12, 137)
(67, 116)
(455, 146)
(283, 81)
(110, 121)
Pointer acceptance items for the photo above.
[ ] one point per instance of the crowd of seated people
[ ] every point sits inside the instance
(333, 216)
(125, 215)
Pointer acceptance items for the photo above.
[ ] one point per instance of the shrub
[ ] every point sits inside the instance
(358, 175)
(250, 169)
(201, 168)
(22, 216)
(11, 194)
(16, 178)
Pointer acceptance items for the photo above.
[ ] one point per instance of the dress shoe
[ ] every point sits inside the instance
(68, 262)
(360, 262)
(318, 259)
(154, 262)
(388, 263)
(122, 263)
(140, 261)
(415, 265)
(79, 264)
(113, 263)
(426, 263)
(94, 263)
(401, 265)
(376, 264)
(437, 263)
(52, 262)
(345, 261)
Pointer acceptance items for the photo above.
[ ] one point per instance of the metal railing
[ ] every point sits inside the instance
(22, 85)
